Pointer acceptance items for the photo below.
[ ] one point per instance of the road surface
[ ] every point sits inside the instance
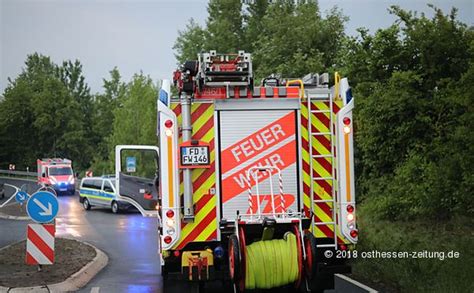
(129, 240)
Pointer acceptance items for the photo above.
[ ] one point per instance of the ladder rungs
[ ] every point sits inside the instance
(322, 156)
(325, 245)
(323, 178)
(324, 223)
(323, 200)
(320, 133)
(320, 111)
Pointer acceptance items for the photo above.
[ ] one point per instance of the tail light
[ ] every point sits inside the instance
(350, 208)
(354, 233)
(168, 239)
(168, 123)
(346, 121)
(170, 213)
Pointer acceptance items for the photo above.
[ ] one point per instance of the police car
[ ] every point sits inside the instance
(100, 192)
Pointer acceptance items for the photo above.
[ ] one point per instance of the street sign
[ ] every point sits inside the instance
(40, 244)
(131, 164)
(42, 207)
(89, 173)
(21, 197)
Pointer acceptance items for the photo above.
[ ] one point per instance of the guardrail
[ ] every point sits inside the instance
(18, 173)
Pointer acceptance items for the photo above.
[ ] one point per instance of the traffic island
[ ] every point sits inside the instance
(76, 263)
(14, 211)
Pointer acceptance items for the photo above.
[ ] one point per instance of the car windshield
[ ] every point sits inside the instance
(60, 171)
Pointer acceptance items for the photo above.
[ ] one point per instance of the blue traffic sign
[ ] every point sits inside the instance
(21, 197)
(131, 164)
(42, 207)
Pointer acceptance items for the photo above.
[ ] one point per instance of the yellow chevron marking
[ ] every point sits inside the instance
(203, 119)
(200, 215)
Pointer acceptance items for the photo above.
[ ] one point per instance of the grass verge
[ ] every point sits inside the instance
(436, 269)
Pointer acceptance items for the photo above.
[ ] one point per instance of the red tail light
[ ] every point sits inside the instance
(350, 208)
(170, 213)
(342, 247)
(176, 253)
(168, 239)
(354, 233)
(346, 120)
(168, 123)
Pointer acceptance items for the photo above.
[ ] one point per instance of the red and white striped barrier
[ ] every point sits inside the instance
(40, 244)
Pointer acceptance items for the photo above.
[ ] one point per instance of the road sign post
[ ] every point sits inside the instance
(42, 207)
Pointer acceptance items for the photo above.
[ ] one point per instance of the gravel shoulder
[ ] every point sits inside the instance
(70, 257)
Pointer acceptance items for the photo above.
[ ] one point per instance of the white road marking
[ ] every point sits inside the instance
(95, 289)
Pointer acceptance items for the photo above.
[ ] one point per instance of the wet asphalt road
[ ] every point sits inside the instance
(128, 239)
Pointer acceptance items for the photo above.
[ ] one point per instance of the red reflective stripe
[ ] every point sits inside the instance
(199, 111)
(324, 228)
(40, 244)
(204, 129)
(177, 110)
(325, 164)
(199, 228)
(30, 260)
(203, 177)
(213, 236)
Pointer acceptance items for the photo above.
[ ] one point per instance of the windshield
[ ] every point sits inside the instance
(60, 171)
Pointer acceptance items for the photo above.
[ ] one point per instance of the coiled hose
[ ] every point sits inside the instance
(271, 263)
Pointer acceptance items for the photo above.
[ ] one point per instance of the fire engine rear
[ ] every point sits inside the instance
(255, 183)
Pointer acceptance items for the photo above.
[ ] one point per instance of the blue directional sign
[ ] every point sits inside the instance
(131, 164)
(21, 197)
(42, 207)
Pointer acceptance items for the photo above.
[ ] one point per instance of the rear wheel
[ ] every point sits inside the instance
(86, 204)
(234, 259)
(115, 207)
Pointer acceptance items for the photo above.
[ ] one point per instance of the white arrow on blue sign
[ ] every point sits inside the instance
(42, 207)
(21, 197)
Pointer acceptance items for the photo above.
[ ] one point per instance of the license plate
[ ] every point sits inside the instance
(62, 189)
(194, 155)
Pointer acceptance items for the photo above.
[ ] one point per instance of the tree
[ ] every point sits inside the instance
(43, 114)
(413, 86)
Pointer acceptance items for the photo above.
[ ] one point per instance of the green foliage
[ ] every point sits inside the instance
(284, 38)
(413, 115)
(132, 117)
(44, 114)
(103, 119)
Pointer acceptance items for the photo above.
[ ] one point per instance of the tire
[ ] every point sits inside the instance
(86, 204)
(191, 66)
(115, 207)
(310, 265)
(234, 259)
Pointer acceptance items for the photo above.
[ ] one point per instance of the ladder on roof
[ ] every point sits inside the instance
(315, 177)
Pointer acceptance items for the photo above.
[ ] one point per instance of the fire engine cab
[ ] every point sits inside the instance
(254, 183)
(56, 173)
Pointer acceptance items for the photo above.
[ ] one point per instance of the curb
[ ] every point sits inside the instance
(9, 217)
(75, 281)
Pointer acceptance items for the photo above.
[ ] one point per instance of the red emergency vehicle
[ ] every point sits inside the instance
(58, 174)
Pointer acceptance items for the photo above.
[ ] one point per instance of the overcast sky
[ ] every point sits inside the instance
(138, 35)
